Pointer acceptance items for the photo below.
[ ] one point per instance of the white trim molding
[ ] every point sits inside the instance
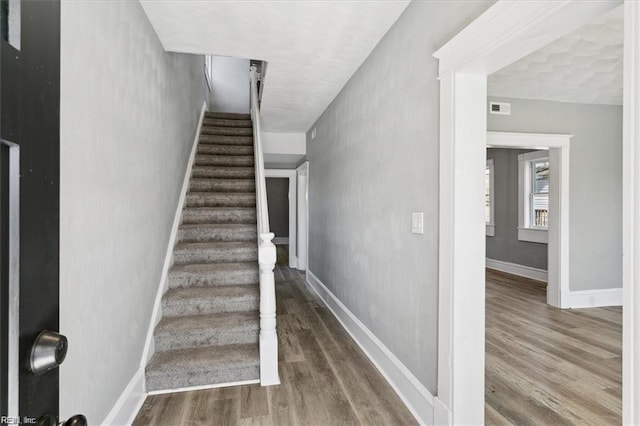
(415, 396)
(631, 217)
(204, 387)
(526, 232)
(506, 32)
(168, 259)
(302, 215)
(126, 408)
(490, 227)
(519, 270)
(594, 298)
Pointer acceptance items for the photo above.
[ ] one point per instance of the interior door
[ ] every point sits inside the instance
(30, 130)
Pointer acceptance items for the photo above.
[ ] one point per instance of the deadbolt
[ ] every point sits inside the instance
(48, 351)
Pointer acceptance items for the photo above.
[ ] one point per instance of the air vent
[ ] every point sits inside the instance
(500, 108)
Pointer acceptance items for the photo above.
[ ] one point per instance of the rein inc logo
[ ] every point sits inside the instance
(17, 420)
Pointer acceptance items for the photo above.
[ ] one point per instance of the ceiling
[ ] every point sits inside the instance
(582, 67)
(312, 47)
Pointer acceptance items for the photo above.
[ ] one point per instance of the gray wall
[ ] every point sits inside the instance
(128, 116)
(278, 204)
(373, 162)
(595, 175)
(504, 245)
(230, 85)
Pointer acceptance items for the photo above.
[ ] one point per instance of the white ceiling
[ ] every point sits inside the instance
(582, 67)
(312, 47)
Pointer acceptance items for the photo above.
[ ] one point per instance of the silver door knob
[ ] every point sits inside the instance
(47, 352)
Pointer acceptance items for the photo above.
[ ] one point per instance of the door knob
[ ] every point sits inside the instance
(47, 352)
(77, 420)
(51, 420)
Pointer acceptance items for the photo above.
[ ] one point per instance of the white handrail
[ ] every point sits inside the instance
(266, 254)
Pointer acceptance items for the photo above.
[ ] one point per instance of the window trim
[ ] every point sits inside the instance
(526, 232)
(490, 227)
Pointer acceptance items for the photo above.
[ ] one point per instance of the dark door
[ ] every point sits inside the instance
(30, 121)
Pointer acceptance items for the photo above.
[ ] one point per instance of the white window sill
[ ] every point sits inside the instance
(490, 230)
(533, 235)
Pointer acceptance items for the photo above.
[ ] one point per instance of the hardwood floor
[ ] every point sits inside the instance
(326, 378)
(549, 366)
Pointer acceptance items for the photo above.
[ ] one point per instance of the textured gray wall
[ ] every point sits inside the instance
(505, 245)
(595, 187)
(128, 116)
(373, 162)
(230, 86)
(278, 201)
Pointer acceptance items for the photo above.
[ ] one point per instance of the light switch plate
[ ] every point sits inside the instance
(417, 223)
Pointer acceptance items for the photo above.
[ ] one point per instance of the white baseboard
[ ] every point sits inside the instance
(168, 260)
(203, 387)
(441, 413)
(515, 269)
(593, 298)
(415, 396)
(126, 408)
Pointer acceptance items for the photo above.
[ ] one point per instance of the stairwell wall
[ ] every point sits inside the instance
(374, 161)
(129, 111)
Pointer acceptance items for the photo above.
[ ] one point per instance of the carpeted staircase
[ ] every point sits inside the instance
(210, 322)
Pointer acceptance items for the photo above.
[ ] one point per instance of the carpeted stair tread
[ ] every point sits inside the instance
(210, 300)
(224, 160)
(219, 215)
(222, 185)
(203, 366)
(223, 172)
(217, 232)
(228, 131)
(213, 274)
(215, 199)
(190, 331)
(226, 140)
(227, 115)
(214, 149)
(206, 252)
(226, 122)
(210, 324)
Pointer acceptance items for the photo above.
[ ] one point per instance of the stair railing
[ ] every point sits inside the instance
(266, 254)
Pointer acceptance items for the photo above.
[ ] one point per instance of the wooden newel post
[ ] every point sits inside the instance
(268, 336)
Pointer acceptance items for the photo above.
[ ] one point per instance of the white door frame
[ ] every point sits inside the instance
(505, 33)
(302, 173)
(291, 175)
(558, 233)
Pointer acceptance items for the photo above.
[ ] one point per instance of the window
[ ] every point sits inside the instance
(489, 199)
(533, 222)
(539, 205)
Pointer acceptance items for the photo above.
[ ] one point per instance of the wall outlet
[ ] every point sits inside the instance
(417, 223)
(500, 108)
(313, 134)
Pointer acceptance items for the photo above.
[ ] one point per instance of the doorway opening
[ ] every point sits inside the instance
(507, 32)
(281, 197)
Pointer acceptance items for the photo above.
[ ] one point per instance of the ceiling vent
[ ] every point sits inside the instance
(500, 108)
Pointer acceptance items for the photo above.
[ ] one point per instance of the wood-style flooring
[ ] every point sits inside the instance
(547, 366)
(326, 378)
